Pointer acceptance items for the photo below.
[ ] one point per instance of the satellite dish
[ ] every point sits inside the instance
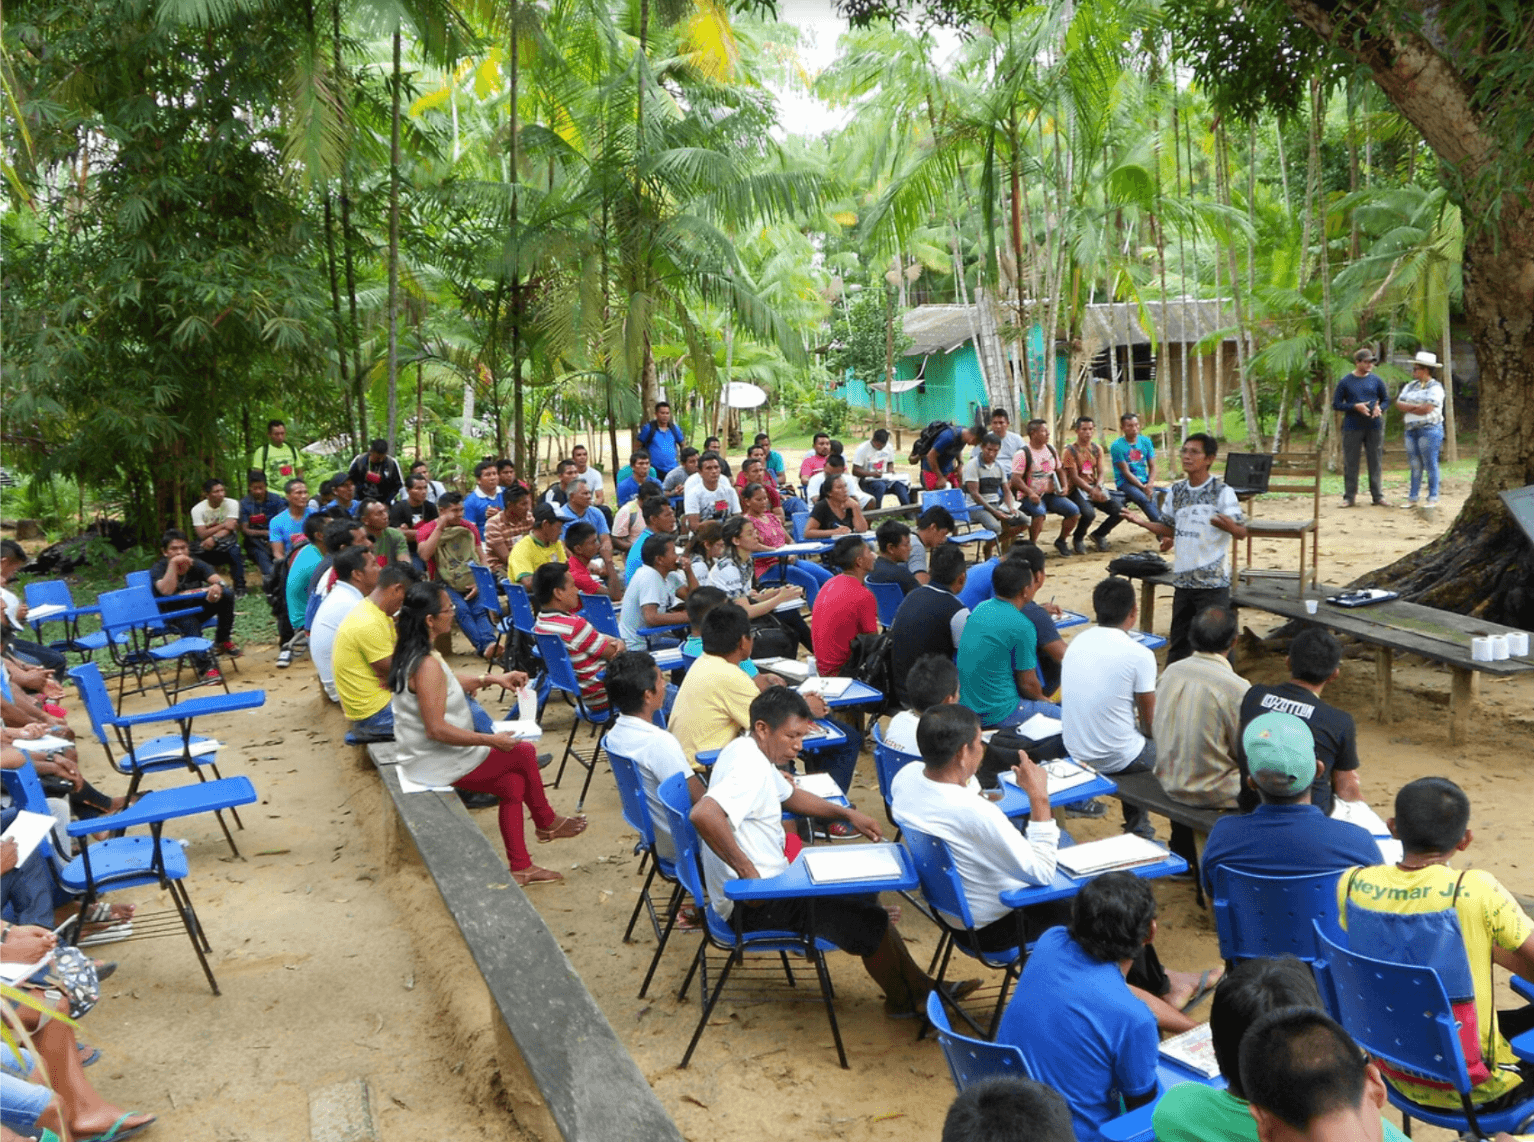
(739, 394)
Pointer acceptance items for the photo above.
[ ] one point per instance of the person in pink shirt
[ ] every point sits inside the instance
(816, 460)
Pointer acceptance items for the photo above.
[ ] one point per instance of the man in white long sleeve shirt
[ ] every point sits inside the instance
(990, 855)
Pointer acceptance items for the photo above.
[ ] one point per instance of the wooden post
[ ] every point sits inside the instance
(1147, 605)
(1461, 699)
(1384, 681)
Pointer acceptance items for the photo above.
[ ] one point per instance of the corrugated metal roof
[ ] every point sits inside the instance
(940, 328)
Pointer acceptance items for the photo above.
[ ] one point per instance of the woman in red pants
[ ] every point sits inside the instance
(438, 745)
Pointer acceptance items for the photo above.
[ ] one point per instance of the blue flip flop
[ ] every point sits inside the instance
(87, 1057)
(118, 1130)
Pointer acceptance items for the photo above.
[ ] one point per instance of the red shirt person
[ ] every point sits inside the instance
(845, 607)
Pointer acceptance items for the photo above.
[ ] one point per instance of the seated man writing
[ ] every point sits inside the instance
(934, 796)
(1421, 911)
(637, 689)
(740, 823)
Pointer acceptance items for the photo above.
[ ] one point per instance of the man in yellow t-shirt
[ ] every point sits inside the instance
(539, 546)
(1432, 817)
(713, 704)
(364, 651)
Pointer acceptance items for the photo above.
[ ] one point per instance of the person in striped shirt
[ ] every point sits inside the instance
(558, 599)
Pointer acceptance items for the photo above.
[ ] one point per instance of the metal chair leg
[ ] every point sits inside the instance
(825, 994)
(194, 931)
(673, 909)
(708, 1010)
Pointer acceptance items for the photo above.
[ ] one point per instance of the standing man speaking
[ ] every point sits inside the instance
(1361, 397)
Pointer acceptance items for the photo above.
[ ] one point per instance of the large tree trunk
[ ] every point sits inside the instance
(1484, 564)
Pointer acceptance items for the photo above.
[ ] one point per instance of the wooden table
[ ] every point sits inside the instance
(1440, 636)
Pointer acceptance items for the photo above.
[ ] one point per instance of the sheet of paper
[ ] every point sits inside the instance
(825, 687)
(524, 731)
(789, 605)
(1123, 851)
(850, 862)
(27, 830)
(198, 749)
(1193, 1049)
(1039, 727)
(1065, 775)
(45, 744)
(14, 973)
(820, 784)
(408, 786)
(46, 611)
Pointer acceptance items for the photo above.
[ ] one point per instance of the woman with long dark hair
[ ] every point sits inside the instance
(438, 745)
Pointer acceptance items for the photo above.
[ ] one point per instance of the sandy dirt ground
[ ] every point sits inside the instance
(336, 965)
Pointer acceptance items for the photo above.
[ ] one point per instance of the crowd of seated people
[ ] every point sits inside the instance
(684, 552)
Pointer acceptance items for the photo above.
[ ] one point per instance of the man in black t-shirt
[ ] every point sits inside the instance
(931, 619)
(894, 539)
(414, 510)
(181, 573)
(1315, 658)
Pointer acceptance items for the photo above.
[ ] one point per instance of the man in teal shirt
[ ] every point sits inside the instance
(998, 632)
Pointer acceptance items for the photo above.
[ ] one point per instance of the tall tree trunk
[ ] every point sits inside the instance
(394, 86)
(348, 238)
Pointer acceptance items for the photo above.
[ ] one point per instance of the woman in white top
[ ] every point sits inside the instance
(438, 745)
(1422, 402)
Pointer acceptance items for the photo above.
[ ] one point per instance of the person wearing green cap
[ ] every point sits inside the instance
(1285, 835)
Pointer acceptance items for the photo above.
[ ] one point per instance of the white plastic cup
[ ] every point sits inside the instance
(1498, 647)
(1518, 644)
(1312, 606)
(1480, 649)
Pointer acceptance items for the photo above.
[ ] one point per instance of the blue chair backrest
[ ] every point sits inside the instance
(973, 1060)
(138, 579)
(121, 610)
(53, 592)
(940, 882)
(888, 761)
(556, 660)
(954, 499)
(484, 582)
(1273, 915)
(797, 523)
(598, 611)
(636, 810)
(521, 606)
(1399, 1013)
(888, 597)
(27, 793)
(677, 802)
(93, 693)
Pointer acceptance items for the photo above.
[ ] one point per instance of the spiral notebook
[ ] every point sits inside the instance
(851, 862)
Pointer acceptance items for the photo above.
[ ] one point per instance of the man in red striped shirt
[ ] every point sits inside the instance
(557, 598)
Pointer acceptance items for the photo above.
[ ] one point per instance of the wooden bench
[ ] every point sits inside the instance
(1144, 791)
(586, 1086)
(1439, 636)
(894, 511)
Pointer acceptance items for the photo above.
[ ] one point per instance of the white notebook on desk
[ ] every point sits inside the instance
(196, 749)
(1124, 851)
(825, 687)
(46, 611)
(789, 668)
(27, 830)
(851, 862)
(820, 784)
(45, 744)
(1039, 727)
(523, 731)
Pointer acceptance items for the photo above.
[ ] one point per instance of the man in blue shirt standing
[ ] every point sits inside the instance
(1081, 1029)
(662, 438)
(1361, 397)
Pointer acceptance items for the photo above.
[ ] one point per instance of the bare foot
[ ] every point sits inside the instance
(562, 829)
(894, 912)
(103, 1118)
(1185, 985)
(532, 874)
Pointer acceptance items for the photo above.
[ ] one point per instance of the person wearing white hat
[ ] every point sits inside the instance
(1422, 402)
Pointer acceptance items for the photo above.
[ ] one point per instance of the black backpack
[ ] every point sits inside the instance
(923, 443)
(1138, 565)
(872, 661)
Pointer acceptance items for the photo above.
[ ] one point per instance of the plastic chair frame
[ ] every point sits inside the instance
(560, 673)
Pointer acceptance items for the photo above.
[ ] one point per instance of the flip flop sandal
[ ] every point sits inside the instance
(118, 1130)
(1201, 992)
(535, 875)
(88, 1054)
(564, 829)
